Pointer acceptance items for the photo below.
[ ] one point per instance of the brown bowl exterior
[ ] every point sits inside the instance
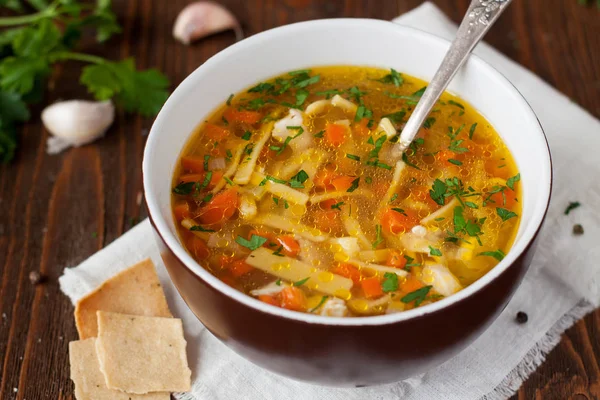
(346, 356)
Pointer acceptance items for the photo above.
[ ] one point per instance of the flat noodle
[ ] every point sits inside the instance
(246, 168)
(294, 270)
(400, 165)
(278, 222)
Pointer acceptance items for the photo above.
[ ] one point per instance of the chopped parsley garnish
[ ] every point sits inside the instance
(505, 214)
(498, 254)
(455, 143)
(224, 120)
(394, 197)
(272, 179)
(410, 263)
(301, 96)
(205, 164)
(278, 282)
(457, 104)
(572, 205)
(353, 157)
(207, 198)
(254, 243)
(394, 78)
(337, 206)
(229, 155)
(278, 252)
(472, 130)
(399, 210)
(301, 282)
(418, 296)
(262, 87)
(229, 181)
(462, 225)
(438, 192)
(247, 135)
(184, 188)
(329, 93)
(379, 237)
(354, 185)
(512, 180)
(229, 99)
(323, 300)
(435, 252)
(198, 228)
(429, 122)
(450, 187)
(407, 162)
(390, 282)
(319, 134)
(297, 181)
(470, 204)
(439, 219)
(455, 162)
(207, 179)
(396, 117)
(493, 191)
(369, 180)
(362, 112)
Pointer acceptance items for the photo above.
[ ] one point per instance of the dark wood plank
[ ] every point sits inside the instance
(57, 210)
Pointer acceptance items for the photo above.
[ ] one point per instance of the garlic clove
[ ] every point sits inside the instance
(203, 18)
(76, 122)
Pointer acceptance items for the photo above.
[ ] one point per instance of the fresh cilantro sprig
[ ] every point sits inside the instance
(30, 45)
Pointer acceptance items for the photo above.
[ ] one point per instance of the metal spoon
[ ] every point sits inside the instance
(479, 18)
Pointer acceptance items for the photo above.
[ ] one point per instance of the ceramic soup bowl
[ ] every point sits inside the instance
(344, 351)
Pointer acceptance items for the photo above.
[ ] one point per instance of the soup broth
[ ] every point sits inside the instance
(293, 193)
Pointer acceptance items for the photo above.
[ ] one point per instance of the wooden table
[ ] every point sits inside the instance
(57, 210)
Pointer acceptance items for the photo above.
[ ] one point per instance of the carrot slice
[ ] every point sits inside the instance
(247, 117)
(220, 208)
(335, 134)
(343, 183)
(396, 222)
(291, 247)
(395, 259)
(323, 179)
(371, 287)
(411, 284)
(191, 178)
(198, 248)
(498, 200)
(215, 132)
(347, 271)
(293, 298)
(265, 298)
(181, 211)
(239, 268)
(192, 164)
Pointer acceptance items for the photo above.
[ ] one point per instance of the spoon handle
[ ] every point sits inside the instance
(479, 18)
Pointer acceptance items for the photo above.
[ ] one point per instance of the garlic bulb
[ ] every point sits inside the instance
(76, 122)
(203, 18)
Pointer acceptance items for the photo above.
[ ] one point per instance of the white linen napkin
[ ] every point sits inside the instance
(562, 285)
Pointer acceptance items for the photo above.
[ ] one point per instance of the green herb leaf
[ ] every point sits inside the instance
(435, 252)
(457, 104)
(472, 130)
(394, 78)
(247, 135)
(353, 157)
(297, 181)
(323, 300)
(498, 254)
(254, 243)
(390, 282)
(455, 162)
(319, 134)
(572, 205)
(399, 210)
(278, 282)
(301, 96)
(438, 192)
(278, 252)
(354, 185)
(184, 188)
(429, 123)
(337, 206)
(407, 162)
(512, 180)
(505, 214)
(301, 282)
(417, 296)
(198, 228)
(379, 236)
(396, 117)
(229, 99)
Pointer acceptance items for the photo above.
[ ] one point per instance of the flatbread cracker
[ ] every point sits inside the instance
(135, 291)
(142, 354)
(89, 381)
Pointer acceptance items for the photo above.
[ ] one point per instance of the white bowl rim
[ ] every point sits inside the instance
(172, 242)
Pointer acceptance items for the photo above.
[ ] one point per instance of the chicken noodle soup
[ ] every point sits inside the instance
(292, 193)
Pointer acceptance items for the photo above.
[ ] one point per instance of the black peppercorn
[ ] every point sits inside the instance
(577, 229)
(522, 317)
